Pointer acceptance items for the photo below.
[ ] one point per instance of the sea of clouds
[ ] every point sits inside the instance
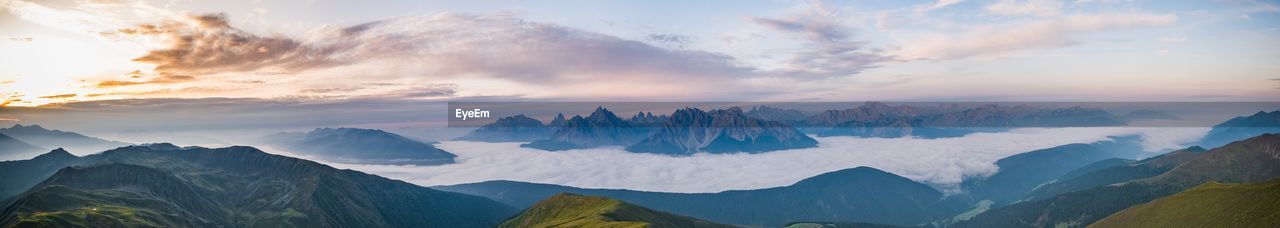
(942, 163)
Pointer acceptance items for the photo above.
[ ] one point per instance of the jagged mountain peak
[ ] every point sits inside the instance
(558, 121)
(691, 130)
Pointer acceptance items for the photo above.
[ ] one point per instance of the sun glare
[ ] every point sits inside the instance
(38, 71)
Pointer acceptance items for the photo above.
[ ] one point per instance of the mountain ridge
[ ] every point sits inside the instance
(49, 138)
(861, 194)
(225, 187)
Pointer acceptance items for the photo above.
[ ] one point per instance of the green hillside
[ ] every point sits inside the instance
(1247, 161)
(570, 210)
(1211, 204)
(166, 186)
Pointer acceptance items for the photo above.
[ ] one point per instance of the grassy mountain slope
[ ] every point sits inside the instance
(1211, 204)
(1145, 168)
(570, 210)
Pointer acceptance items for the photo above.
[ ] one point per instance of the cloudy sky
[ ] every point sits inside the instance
(62, 52)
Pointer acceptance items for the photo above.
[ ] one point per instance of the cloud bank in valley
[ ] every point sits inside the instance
(939, 162)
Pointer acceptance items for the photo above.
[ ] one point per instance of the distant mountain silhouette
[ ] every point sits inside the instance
(776, 114)
(518, 128)
(11, 148)
(235, 186)
(571, 210)
(1242, 127)
(39, 136)
(875, 119)
(691, 130)
(860, 194)
(362, 146)
(1147, 114)
(868, 112)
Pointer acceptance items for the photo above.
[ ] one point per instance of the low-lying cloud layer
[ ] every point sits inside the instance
(939, 162)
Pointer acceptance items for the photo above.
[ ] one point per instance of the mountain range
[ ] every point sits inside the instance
(1242, 127)
(776, 114)
(1252, 160)
(858, 194)
(1070, 185)
(875, 119)
(1108, 173)
(47, 138)
(1021, 173)
(571, 210)
(12, 149)
(167, 186)
(691, 130)
(648, 119)
(765, 128)
(601, 128)
(360, 146)
(1148, 114)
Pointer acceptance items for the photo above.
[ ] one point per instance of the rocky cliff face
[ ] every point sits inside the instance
(691, 130)
(647, 119)
(601, 128)
(559, 121)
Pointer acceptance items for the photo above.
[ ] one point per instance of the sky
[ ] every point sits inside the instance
(54, 53)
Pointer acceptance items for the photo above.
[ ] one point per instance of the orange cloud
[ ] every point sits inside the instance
(164, 78)
(59, 96)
